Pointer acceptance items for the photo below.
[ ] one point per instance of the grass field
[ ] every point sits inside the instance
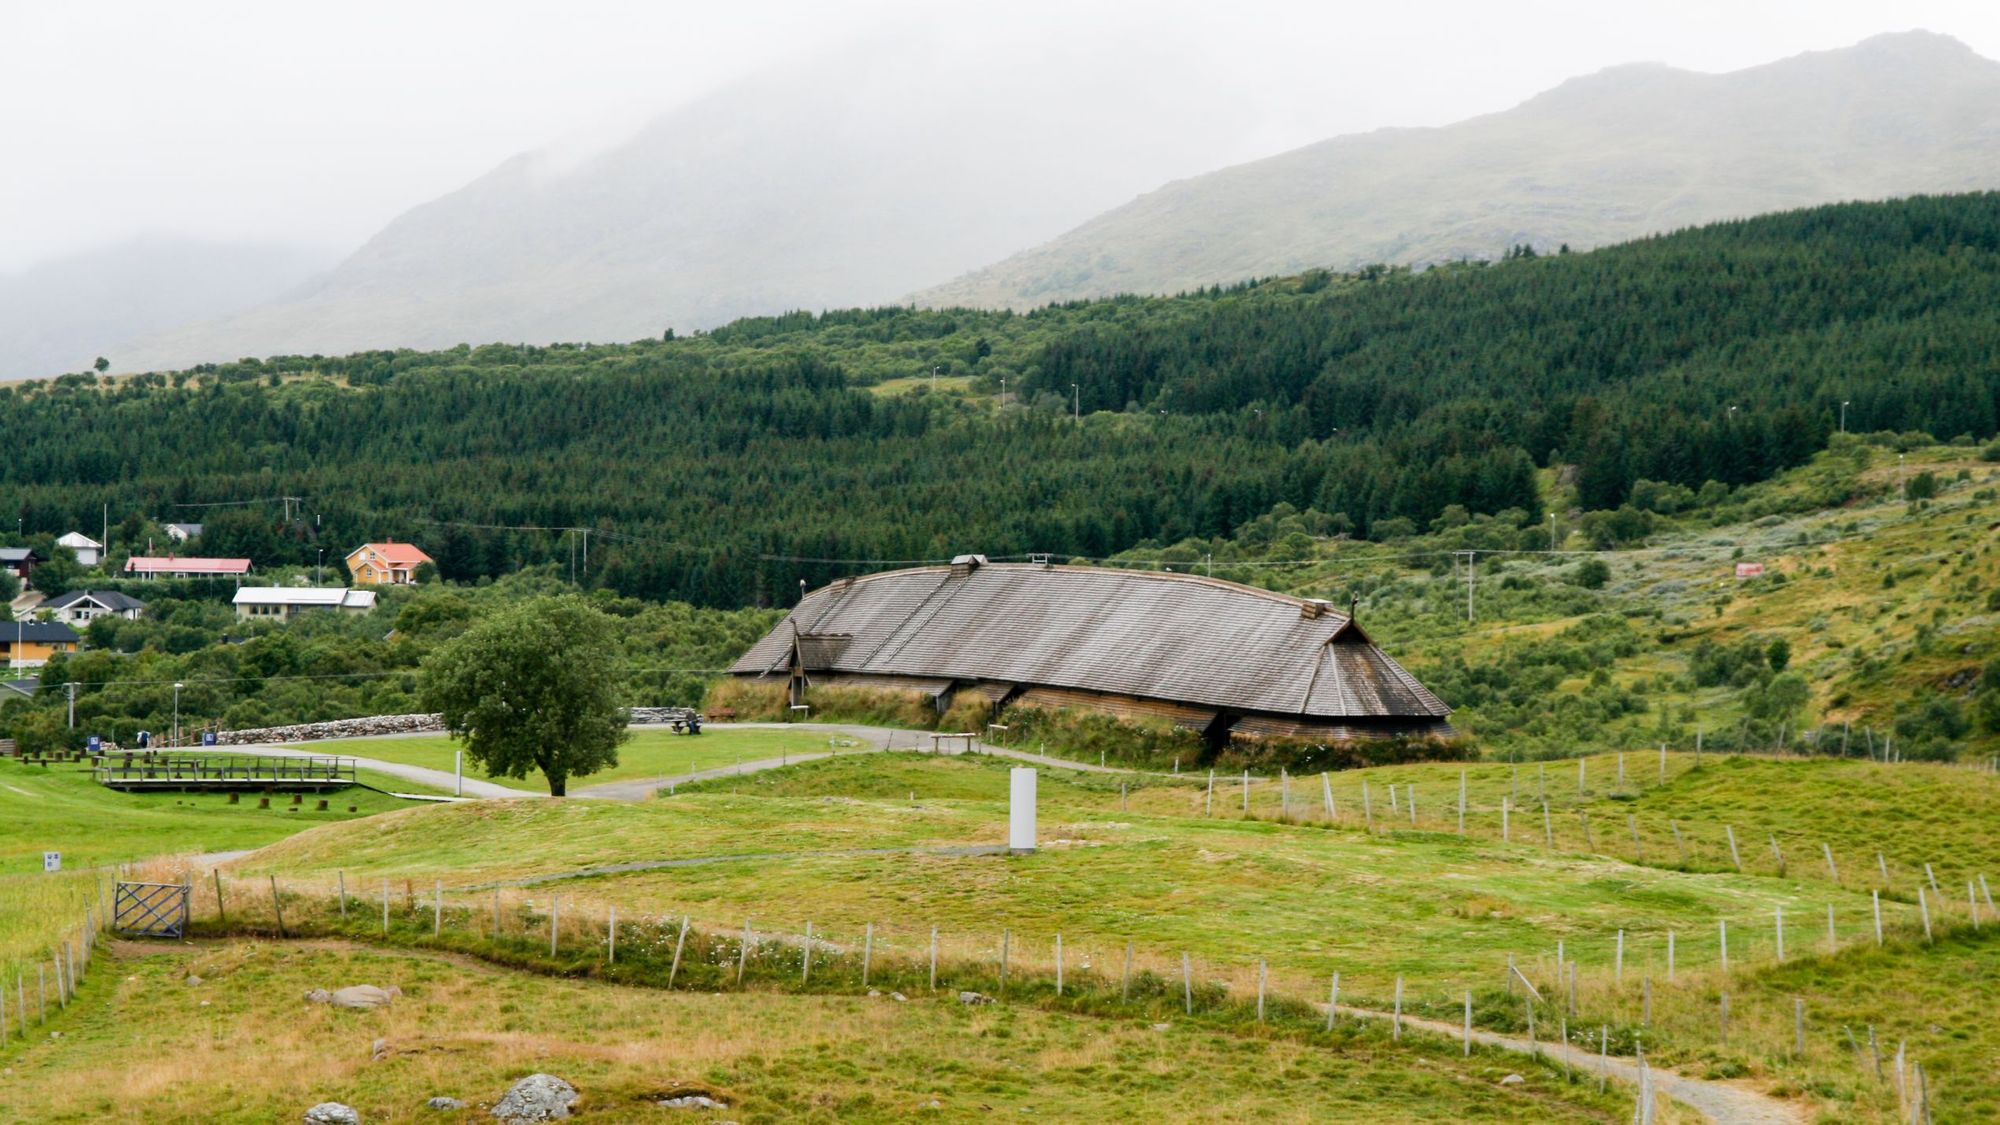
(1441, 910)
(59, 808)
(148, 1038)
(649, 753)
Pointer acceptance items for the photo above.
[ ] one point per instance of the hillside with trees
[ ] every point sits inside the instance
(719, 468)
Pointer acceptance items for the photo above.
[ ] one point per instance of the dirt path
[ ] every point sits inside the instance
(1722, 1102)
(873, 739)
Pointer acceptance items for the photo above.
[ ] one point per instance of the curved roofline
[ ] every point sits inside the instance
(1161, 575)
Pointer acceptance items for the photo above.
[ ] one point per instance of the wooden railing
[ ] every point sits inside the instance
(221, 771)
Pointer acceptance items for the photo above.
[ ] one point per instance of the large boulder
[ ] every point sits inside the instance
(538, 1097)
(332, 1113)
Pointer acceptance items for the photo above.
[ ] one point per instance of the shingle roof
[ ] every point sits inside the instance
(109, 599)
(1140, 633)
(328, 596)
(40, 632)
(168, 564)
(393, 554)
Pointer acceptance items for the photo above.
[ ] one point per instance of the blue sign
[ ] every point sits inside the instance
(95, 743)
(208, 738)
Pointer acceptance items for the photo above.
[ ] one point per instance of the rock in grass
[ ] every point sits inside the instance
(538, 1097)
(355, 996)
(445, 1103)
(1512, 1080)
(332, 1113)
(974, 998)
(693, 1101)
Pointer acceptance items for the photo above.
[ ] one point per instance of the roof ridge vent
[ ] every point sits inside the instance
(962, 565)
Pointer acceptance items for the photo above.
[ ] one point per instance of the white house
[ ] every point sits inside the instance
(182, 532)
(282, 603)
(80, 607)
(86, 549)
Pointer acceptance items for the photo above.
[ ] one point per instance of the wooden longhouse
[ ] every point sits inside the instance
(1221, 658)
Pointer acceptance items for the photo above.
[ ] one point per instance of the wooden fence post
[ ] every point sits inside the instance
(1722, 939)
(341, 876)
(1332, 1000)
(1367, 807)
(1506, 833)
(221, 912)
(1780, 911)
(1670, 957)
(1932, 876)
(1638, 848)
(1832, 872)
(555, 922)
(1059, 964)
(1734, 856)
(1618, 961)
(743, 954)
(1589, 841)
(1005, 938)
(868, 952)
(1725, 1018)
(1832, 936)
(1798, 1026)
(1875, 897)
(1246, 792)
(679, 944)
(806, 962)
(1125, 981)
(277, 908)
(437, 910)
(1326, 793)
(1208, 804)
(1924, 908)
(933, 958)
(611, 936)
(1548, 828)
(1263, 975)
(1778, 854)
(1579, 777)
(1187, 983)
(385, 907)
(1467, 1049)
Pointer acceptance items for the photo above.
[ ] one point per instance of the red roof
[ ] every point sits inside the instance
(168, 564)
(394, 554)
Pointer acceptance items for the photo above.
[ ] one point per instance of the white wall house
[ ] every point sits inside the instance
(80, 607)
(86, 549)
(282, 603)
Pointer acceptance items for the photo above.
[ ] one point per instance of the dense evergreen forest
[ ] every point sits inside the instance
(1378, 400)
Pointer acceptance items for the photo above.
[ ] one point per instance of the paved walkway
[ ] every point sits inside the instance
(436, 779)
(872, 739)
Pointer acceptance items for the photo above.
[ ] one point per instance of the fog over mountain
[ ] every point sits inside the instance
(1616, 155)
(60, 315)
(833, 185)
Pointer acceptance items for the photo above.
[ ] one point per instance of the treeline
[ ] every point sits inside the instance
(238, 675)
(1383, 400)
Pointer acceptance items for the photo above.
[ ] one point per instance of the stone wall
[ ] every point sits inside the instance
(372, 726)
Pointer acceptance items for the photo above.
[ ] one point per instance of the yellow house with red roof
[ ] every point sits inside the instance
(387, 563)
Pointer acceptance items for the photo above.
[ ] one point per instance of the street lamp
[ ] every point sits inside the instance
(1552, 531)
(177, 712)
(934, 372)
(319, 568)
(1843, 416)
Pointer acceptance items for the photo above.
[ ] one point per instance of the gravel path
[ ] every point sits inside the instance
(1722, 1102)
(436, 779)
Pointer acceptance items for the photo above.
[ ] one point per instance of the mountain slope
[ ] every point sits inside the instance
(60, 315)
(1630, 151)
(823, 186)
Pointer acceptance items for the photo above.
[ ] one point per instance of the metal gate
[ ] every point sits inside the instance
(150, 909)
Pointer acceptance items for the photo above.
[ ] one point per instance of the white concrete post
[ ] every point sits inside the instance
(1021, 810)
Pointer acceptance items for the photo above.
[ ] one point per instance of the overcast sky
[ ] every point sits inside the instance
(316, 124)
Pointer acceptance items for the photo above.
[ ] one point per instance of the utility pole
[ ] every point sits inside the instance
(71, 686)
(1552, 532)
(934, 372)
(177, 713)
(1076, 410)
(1843, 416)
(1902, 485)
(1470, 558)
